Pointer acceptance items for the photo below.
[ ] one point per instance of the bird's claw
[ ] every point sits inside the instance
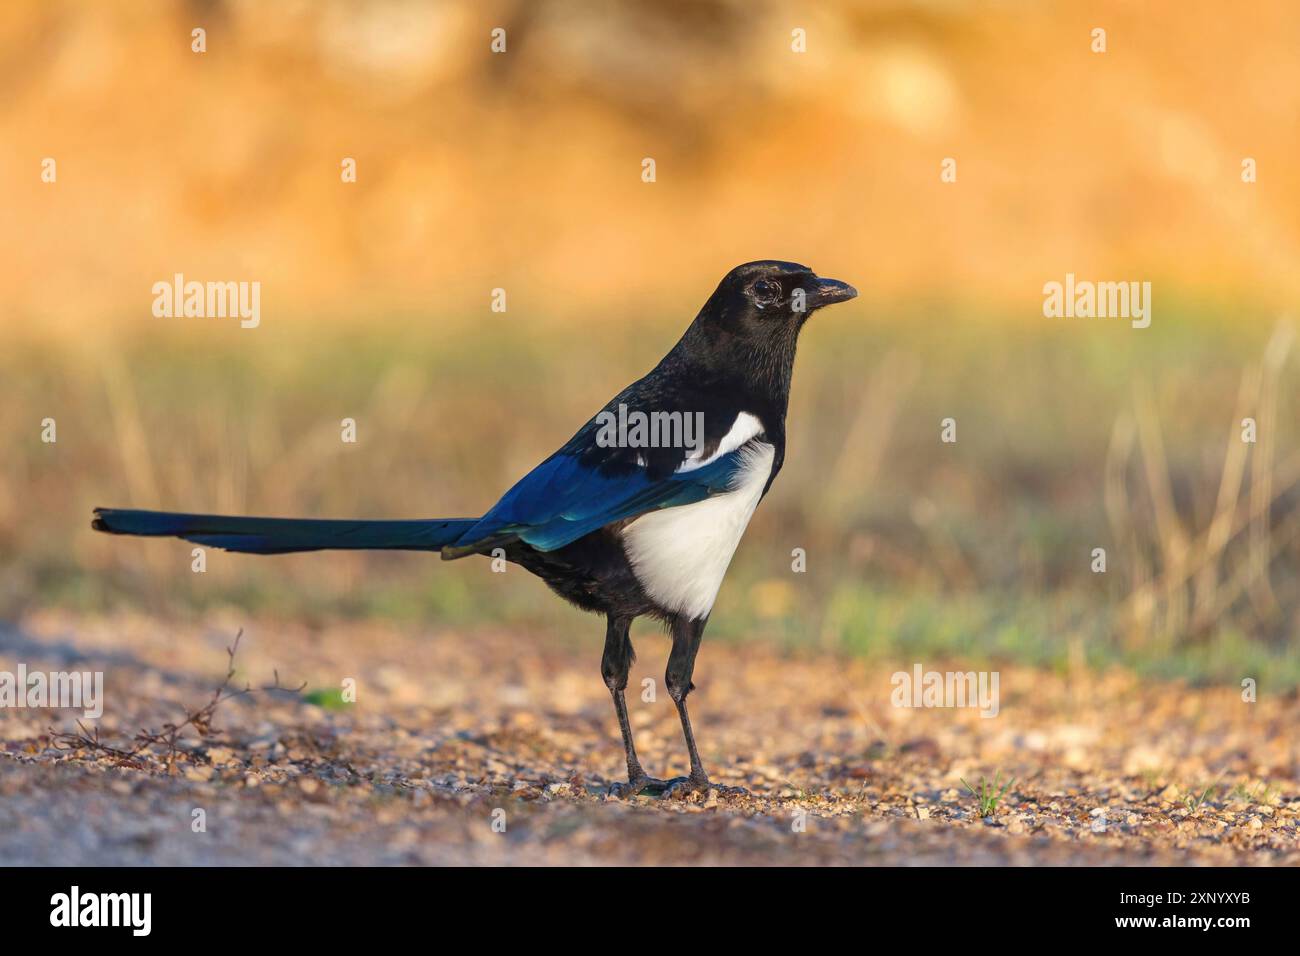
(678, 788)
(684, 786)
(636, 786)
(643, 785)
(681, 787)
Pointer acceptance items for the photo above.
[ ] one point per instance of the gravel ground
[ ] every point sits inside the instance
(491, 749)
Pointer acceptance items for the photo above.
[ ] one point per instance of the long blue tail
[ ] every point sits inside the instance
(283, 535)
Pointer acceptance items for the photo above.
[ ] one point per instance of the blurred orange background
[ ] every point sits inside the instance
(522, 170)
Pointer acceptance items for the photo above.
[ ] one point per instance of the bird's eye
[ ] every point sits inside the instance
(766, 290)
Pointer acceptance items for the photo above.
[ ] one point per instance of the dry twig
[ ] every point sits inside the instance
(169, 736)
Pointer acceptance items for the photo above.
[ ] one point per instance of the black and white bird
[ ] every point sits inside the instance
(615, 521)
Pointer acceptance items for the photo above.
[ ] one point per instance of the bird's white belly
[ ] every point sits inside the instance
(680, 555)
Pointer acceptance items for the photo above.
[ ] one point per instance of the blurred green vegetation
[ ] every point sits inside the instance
(979, 549)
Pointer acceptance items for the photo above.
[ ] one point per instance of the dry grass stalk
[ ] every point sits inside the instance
(199, 720)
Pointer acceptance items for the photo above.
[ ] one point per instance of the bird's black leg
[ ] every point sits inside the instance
(681, 665)
(614, 666)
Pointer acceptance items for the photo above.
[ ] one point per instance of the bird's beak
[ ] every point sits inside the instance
(822, 292)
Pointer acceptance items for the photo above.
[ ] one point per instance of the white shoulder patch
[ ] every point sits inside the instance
(745, 427)
(680, 555)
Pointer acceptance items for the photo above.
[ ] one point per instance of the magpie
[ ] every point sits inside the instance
(616, 521)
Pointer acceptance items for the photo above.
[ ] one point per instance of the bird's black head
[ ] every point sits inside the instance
(770, 298)
(745, 336)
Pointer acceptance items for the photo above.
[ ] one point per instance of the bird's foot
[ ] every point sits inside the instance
(682, 787)
(637, 785)
(676, 788)
(641, 784)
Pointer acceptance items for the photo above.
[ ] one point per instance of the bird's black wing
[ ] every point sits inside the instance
(590, 482)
